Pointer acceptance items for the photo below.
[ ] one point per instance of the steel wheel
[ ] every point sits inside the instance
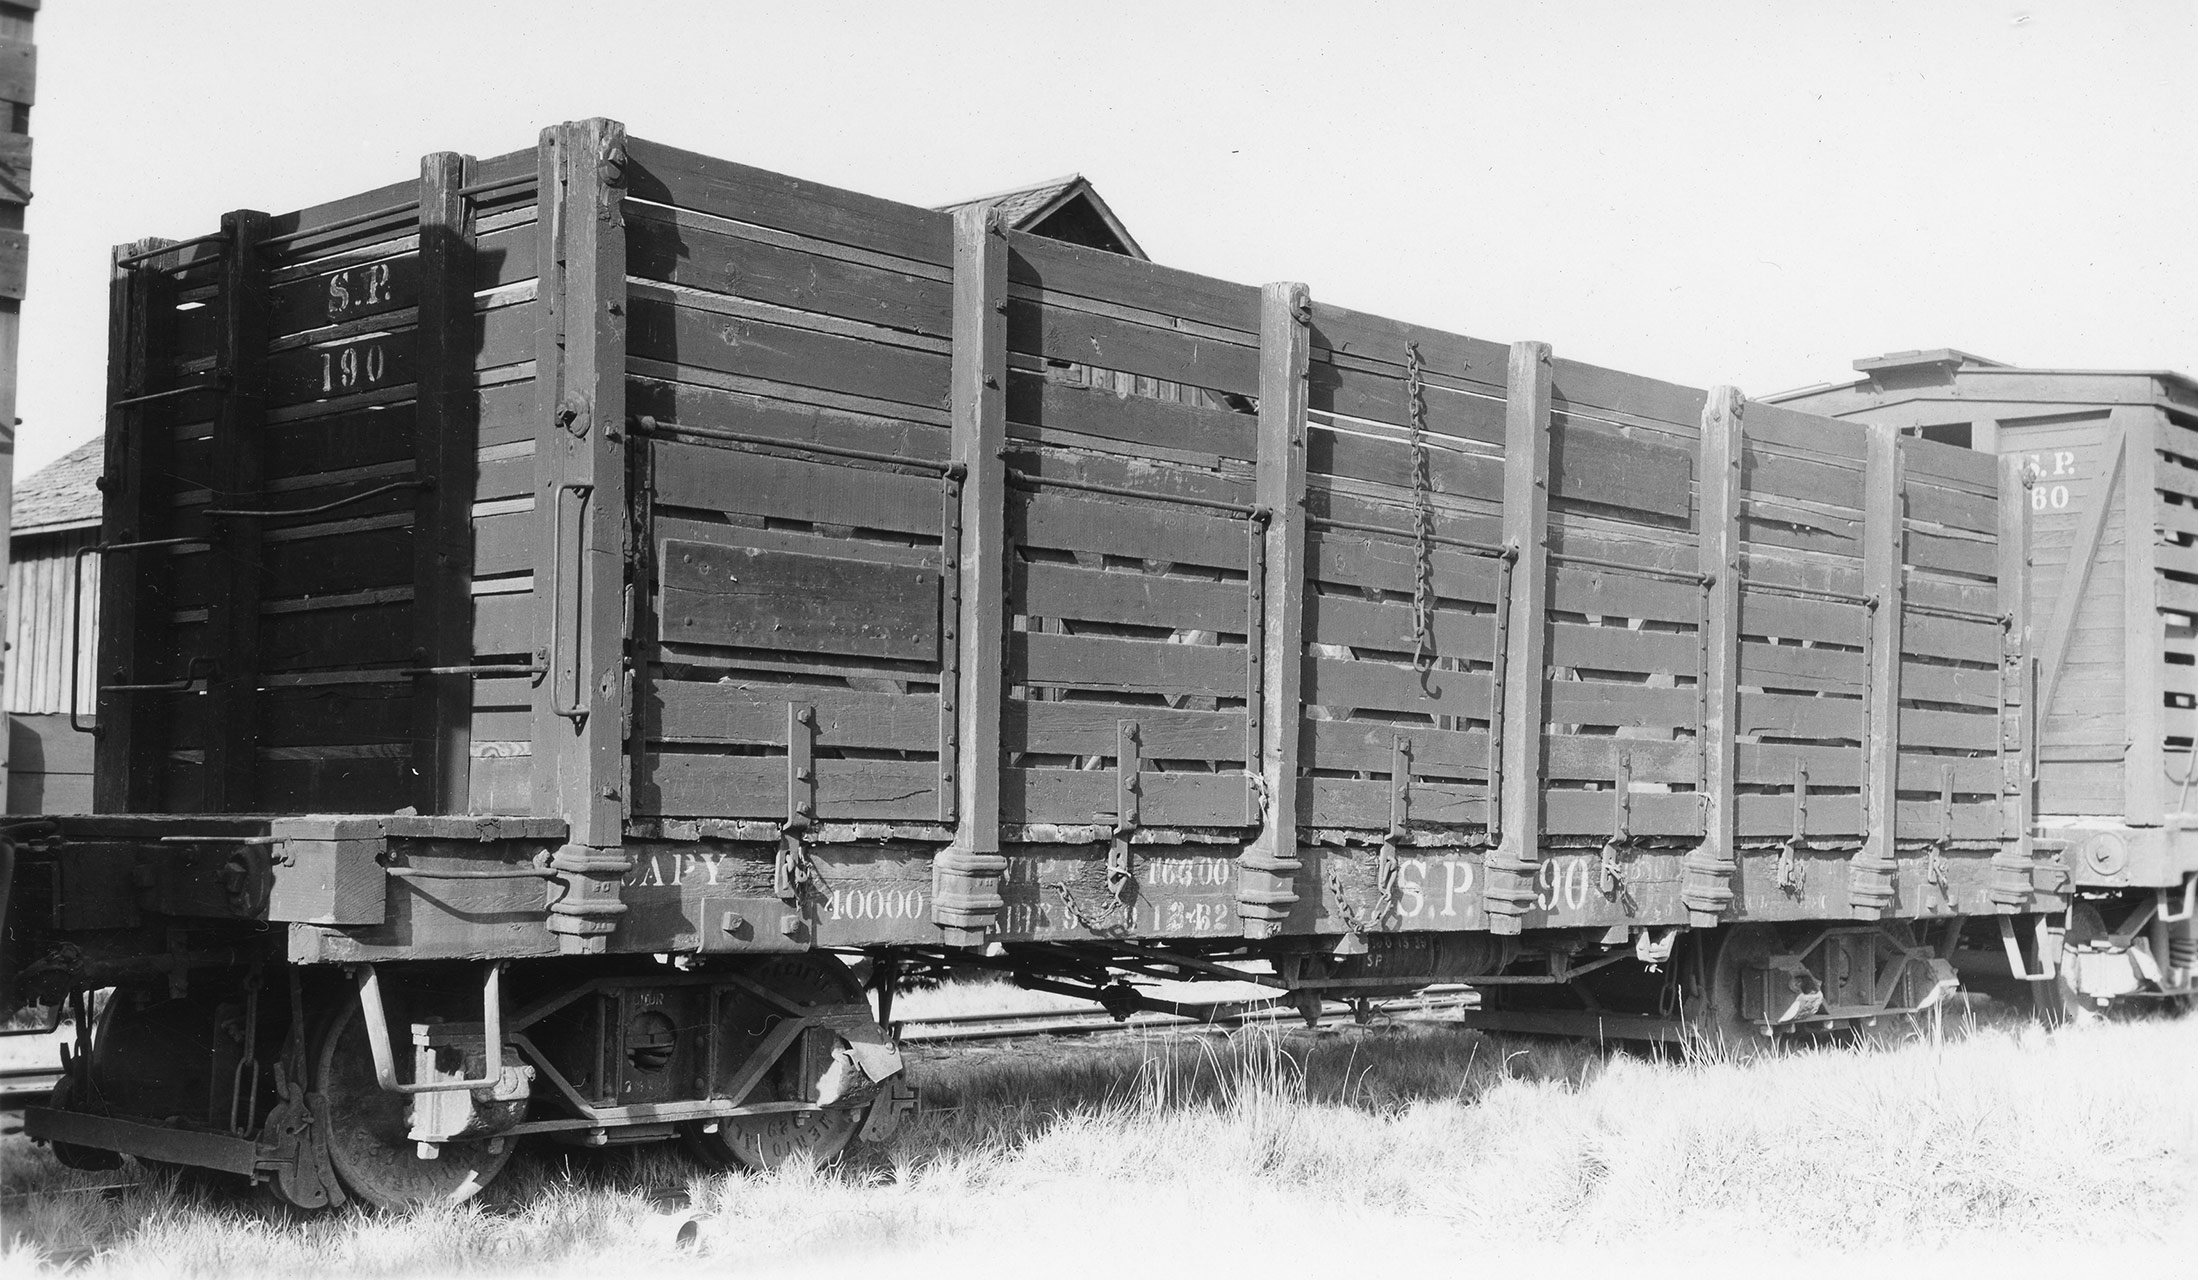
(366, 1140)
(767, 1142)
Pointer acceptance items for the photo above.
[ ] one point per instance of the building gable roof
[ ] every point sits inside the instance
(1066, 208)
(63, 494)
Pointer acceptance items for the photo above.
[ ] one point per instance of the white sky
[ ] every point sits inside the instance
(1704, 192)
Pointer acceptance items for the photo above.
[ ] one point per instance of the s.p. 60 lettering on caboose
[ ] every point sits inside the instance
(564, 607)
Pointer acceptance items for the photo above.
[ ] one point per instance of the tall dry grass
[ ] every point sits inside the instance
(1421, 1149)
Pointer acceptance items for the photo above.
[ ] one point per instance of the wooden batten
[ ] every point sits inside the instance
(580, 501)
(133, 592)
(966, 874)
(233, 596)
(445, 431)
(1516, 858)
(1267, 870)
(1870, 888)
(1708, 890)
(2143, 649)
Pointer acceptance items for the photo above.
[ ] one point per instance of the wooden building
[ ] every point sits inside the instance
(50, 617)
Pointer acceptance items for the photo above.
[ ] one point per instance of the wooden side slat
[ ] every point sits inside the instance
(754, 712)
(1059, 267)
(683, 179)
(1066, 520)
(706, 478)
(1148, 599)
(662, 246)
(1138, 421)
(674, 330)
(1090, 729)
(697, 785)
(1088, 795)
(1104, 663)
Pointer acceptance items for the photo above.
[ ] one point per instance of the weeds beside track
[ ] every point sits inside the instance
(1274, 1151)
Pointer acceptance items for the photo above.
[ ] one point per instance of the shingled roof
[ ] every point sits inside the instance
(63, 494)
(1066, 208)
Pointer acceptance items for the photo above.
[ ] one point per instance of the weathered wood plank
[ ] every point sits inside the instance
(703, 785)
(1109, 342)
(754, 712)
(1131, 666)
(1090, 729)
(1063, 268)
(662, 247)
(683, 179)
(1146, 599)
(1039, 402)
(750, 597)
(667, 328)
(1088, 795)
(706, 478)
(1064, 520)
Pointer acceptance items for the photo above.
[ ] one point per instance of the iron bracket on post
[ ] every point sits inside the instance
(1934, 858)
(1789, 866)
(792, 870)
(1387, 869)
(1128, 810)
(1621, 823)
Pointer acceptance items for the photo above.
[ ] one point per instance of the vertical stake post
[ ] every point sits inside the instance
(1513, 863)
(1267, 870)
(130, 761)
(1707, 889)
(966, 874)
(1870, 888)
(233, 588)
(580, 767)
(445, 444)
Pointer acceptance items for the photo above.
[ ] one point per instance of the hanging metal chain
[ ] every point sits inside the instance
(1423, 521)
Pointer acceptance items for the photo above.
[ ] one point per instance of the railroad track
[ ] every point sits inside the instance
(948, 1028)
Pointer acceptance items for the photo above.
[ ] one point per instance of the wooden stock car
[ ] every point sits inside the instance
(560, 606)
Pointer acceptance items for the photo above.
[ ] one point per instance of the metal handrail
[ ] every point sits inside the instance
(323, 508)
